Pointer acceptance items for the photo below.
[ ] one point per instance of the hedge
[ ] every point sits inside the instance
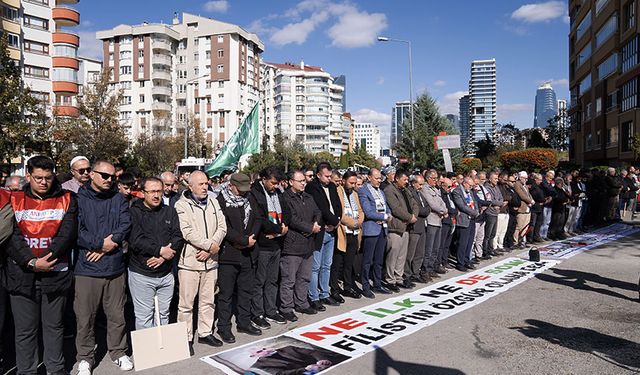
(467, 164)
(532, 159)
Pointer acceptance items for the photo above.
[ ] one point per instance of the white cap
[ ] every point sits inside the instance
(77, 158)
(523, 174)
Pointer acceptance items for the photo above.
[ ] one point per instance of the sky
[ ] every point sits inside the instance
(528, 39)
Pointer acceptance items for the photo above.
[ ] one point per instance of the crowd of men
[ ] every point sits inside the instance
(264, 247)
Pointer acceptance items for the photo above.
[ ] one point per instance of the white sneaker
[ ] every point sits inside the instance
(124, 363)
(84, 368)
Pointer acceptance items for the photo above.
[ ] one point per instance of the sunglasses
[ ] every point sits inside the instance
(106, 176)
(83, 170)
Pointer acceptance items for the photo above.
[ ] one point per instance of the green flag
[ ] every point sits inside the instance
(245, 141)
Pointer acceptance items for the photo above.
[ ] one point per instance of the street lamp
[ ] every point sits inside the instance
(408, 42)
(186, 126)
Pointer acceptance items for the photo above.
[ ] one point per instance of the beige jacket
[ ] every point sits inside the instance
(201, 227)
(346, 220)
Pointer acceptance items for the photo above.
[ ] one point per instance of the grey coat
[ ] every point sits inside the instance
(495, 197)
(437, 205)
(466, 213)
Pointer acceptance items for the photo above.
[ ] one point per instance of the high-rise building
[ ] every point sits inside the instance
(465, 119)
(482, 100)
(172, 75)
(367, 135)
(546, 106)
(453, 119)
(39, 41)
(306, 106)
(341, 80)
(604, 75)
(401, 111)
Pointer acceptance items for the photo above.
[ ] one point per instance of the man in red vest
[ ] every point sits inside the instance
(6, 229)
(37, 274)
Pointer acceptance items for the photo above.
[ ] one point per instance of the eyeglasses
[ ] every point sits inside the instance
(512, 181)
(105, 175)
(154, 192)
(42, 178)
(300, 181)
(83, 170)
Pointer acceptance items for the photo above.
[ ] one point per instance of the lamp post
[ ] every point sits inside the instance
(186, 125)
(413, 142)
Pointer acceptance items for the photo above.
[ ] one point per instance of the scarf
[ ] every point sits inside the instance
(235, 201)
(273, 206)
(351, 209)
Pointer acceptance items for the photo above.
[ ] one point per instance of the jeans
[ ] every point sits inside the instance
(143, 290)
(372, 259)
(321, 270)
(546, 219)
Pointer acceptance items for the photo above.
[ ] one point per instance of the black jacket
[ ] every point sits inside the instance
(614, 184)
(16, 276)
(560, 200)
(452, 210)
(425, 210)
(268, 224)
(304, 212)
(549, 191)
(233, 249)
(99, 215)
(314, 188)
(538, 197)
(151, 230)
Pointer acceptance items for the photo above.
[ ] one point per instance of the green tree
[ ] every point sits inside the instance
(485, 148)
(558, 136)
(97, 133)
(537, 140)
(23, 124)
(428, 124)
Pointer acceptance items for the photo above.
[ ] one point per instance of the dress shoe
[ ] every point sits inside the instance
(440, 270)
(249, 330)
(307, 310)
(210, 340)
(191, 352)
(290, 316)
(338, 298)
(368, 294)
(425, 279)
(392, 287)
(471, 266)
(462, 268)
(485, 257)
(358, 290)
(475, 261)
(381, 290)
(417, 280)
(260, 322)
(433, 275)
(406, 284)
(316, 305)
(448, 266)
(227, 337)
(329, 301)
(351, 293)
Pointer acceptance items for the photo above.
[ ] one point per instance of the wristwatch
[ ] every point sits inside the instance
(32, 264)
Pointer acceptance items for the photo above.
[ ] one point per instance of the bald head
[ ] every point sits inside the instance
(198, 184)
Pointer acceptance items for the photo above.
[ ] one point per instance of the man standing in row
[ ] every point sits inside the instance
(203, 227)
(462, 197)
(439, 210)
(37, 274)
(417, 235)
(103, 224)
(80, 169)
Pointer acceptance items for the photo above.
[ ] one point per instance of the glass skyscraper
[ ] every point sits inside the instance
(464, 119)
(546, 106)
(482, 100)
(398, 114)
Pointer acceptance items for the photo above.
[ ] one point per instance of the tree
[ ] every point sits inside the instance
(428, 124)
(97, 133)
(23, 125)
(537, 140)
(558, 135)
(485, 148)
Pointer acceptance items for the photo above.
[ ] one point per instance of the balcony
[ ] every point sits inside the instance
(65, 62)
(162, 90)
(66, 38)
(66, 111)
(161, 106)
(65, 17)
(63, 86)
(161, 59)
(161, 44)
(161, 74)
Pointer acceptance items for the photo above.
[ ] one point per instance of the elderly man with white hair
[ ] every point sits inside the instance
(170, 195)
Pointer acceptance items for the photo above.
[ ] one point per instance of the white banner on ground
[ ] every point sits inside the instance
(575, 245)
(322, 345)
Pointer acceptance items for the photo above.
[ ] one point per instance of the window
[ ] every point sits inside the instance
(10, 13)
(126, 40)
(598, 106)
(126, 100)
(140, 54)
(41, 48)
(630, 54)
(110, 56)
(220, 96)
(626, 136)
(142, 98)
(584, 55)
(598, 138)
(196, 71)
(180, 59)
(583, 26)
(629, 95)
(36, 71)
(207, 55)
(612, 137)
(220, 53)
(612, 101)
(599, 5)
(196, 42)
(196, 56)
(588, 141)
(629, 15)
(220, 38)
(42, 97)
(220, 68)
(36, 22)
(585, 84)
(608, 66)
(125, 85)
(586, 115)
(125, 55)
(65, 74)
(220, 84)
(125, 69)
(14, 40)
(607, 30)
(125, 115)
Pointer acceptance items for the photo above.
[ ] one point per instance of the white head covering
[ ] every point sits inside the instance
(77, 158)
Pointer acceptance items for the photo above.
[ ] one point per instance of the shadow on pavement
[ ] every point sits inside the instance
(579, 279)
(617, 351)
(384, 363)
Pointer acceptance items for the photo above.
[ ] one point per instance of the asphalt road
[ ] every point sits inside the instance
(580, 317)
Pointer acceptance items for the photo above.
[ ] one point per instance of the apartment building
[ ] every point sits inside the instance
(604, 75)
(172, 75)
(367, 135)
(482, 100)
(41, 42)
(304, 105)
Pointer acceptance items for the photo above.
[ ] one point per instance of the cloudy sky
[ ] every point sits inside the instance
(528, 40)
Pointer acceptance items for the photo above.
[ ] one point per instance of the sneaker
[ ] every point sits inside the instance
(260, 323)
(84, 368)
(276, 318)
(124, 363)
(290, 316)
(249, 330)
